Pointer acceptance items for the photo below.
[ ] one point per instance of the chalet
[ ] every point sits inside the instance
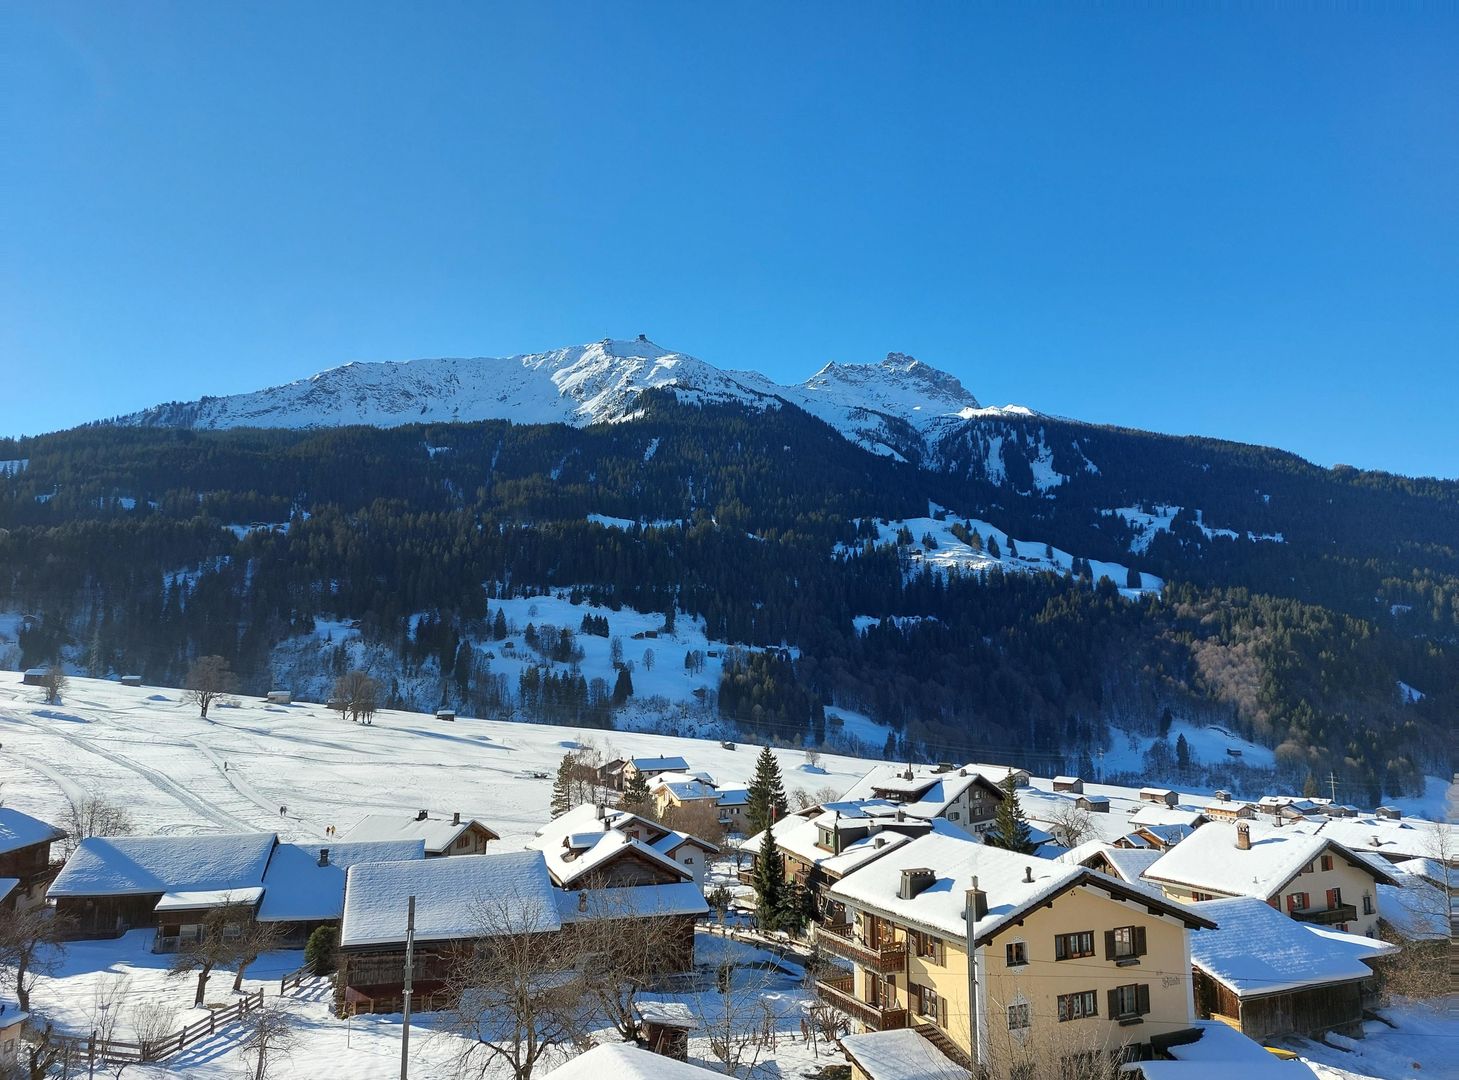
(1389, 813)
(461, 901)
(111, 885)
(304, 885)
(1093, 804)
(1310, 877)
(734, 804)
(1395, 840)
(1270, 976)
(672, 791)
(650, 766)
(459, 836)
(1154, 837)
(821, 845)
(573, 830)
(1127, 864)
(963, 796)
(1159, 795)
(1227, 809)
(998, 773)
(1070, 784)
(25, 859)
(1160, 814)
(989, 954)
(35, 676)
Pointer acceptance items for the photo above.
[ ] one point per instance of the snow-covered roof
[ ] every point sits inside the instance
(298, 889)
(1128, 863)
(1394, 840)
(797, 835)
(686, 790)
(1432, 871)
(437, 833)
(6, 885)
(1257, 950)
(624, 1061)
(660, 764)
(19, 830)
(608, 846)
(926, 794)
(734, 796)
(1208, 859)
(142, 865)
(10, 1014)
(1220, 1053)
(1160, 814)
(1416, 909)
(196, 899)
(1013, 883)
(900, 1054)
(579, 842)
(468, 896)
(671, 842)
(631, 901)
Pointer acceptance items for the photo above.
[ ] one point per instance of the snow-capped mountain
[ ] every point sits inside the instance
(890, 407)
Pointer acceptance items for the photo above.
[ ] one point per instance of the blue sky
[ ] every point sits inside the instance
(1212, 221)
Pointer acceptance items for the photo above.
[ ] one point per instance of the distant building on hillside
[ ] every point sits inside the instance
(458, 836)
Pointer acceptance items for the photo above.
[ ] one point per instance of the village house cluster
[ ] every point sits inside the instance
(1136, 923)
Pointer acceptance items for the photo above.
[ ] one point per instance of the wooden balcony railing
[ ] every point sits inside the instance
(839, 941)
(1326, 916)
(837, 991)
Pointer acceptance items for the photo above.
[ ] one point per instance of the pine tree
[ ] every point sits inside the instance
(769, 883)
(562, 787)
(1182, 755)
(767, 793)
(796, 907)
(1010, 829)
(623, 688)
(1309, 787)
(636, 794)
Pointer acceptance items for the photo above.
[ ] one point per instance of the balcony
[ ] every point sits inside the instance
(1325, 916)
(837, 991)
(838, 941)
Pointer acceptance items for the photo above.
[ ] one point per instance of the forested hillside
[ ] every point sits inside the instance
(1297, 600)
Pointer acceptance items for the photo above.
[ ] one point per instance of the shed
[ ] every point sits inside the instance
(35, 676)
(131, 680)
(1069, 783)
(666, 1027)
(446, 714)
(279, 697)
(1095, 804)
(1392, 813)
(1159, 795)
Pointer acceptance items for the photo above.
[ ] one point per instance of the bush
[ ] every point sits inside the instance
(319, 951)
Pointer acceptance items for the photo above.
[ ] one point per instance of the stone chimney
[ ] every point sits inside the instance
(324, 856)
(914, 880)
(456, 818)
(602, 812)
(1028, 875)
(421, 815)
(1243, 836)
(975, 903)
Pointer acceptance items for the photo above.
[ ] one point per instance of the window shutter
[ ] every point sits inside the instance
(942, 1011)
(1114, 1002)
(1059, 951)
(1139, 941)
(1142, 998)
(1109, 944)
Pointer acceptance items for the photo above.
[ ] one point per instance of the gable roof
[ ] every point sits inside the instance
(1416, 909)
(145, 865)
(437, 833)
(1001, 874)
(19, 830)
(298, 889)
(900, 1054)
(624, 1061)
(659, 764)
(580, 841)
(1256, 950)
(1128, 864)
(455, 898)
(1209, 860)
(927, 794)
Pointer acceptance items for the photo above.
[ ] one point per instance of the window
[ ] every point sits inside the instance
(1334, 898)
(688, 860)
(953, 815)
(1130, 1000)
(1124, 943)
(1018, 1016)
(1368, 903)
(1077, 1006)
(926, 1002)
(1016, 953)
(1069, 946)
(1297, 901)
(1327, 862)
(927, 946)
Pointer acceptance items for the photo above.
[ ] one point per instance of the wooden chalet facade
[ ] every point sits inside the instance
(25, 859)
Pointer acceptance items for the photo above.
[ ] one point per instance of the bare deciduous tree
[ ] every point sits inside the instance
(152, 1021)
(269, 1035)
(209, 678)
(30, 945)
(699, 819)
(94, 815)
(216, 945)
(516, 991)
(54, 682)
(1070, 825)
(254, 939)
(357, 694)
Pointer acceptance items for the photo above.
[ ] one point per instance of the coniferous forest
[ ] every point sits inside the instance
(134, 549)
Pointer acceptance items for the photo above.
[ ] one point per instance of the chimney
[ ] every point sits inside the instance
(975, 901)
(1028, 875)
(324, 856)
(456, 818)
(1243, 836)
(602, 812)
(914, 880)
(421, 815)
(962, 772)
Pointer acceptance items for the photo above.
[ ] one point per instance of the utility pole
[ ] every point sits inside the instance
(409, 964)
(1332, 784)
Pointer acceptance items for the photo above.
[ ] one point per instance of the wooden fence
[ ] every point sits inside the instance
(94, 1049)
(294, 979)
